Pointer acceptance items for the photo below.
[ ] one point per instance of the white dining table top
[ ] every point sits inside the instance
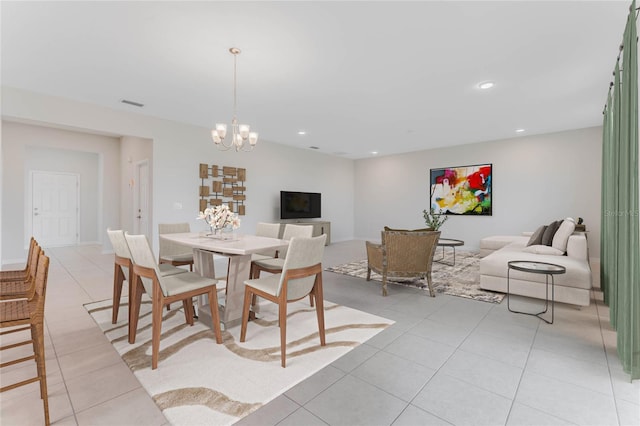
(231, 244)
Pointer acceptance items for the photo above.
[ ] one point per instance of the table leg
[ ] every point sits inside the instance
(546, 300)
(238, 273)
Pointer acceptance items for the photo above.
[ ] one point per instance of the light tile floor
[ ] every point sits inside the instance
(445, 361)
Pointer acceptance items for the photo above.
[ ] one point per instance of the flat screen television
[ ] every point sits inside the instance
(300, 205)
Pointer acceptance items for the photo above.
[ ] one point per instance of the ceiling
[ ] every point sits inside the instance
(357, 76)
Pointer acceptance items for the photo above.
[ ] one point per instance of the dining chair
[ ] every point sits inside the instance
(164, 290)
(173, 253)
(23, 288)
(122, 269)
(301, 276)
(28, 314)
(21, 274)
(402, 254)
(274, 264)
(270, 230)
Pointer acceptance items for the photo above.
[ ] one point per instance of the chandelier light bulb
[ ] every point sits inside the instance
(244, 131)
(253, 138)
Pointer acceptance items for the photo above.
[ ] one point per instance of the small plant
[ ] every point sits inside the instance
(434, 220)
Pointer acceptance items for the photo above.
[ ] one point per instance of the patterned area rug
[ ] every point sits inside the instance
(462, 280)
(199, 382)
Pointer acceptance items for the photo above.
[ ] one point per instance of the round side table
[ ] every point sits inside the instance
(549, 269)
(448, 242)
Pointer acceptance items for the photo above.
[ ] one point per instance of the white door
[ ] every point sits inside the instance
(54, 208)
(141, 217)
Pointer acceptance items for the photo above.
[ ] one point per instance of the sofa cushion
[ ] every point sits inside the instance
(578, 271)
(547, 237)
(536, 238)
(540, 249)
(563, 233)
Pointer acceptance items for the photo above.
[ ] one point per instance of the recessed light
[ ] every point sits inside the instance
(486, 85)
(374, 152)
(519, 130)
(302, 132)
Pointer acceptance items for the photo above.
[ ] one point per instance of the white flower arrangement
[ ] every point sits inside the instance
(219, 217)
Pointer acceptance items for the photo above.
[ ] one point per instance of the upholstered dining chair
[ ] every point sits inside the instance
(173, 253)
(301, 276)
(270, 230)
(28, 314)
(402, 254)
(23, 288)
(274, 264)
(122, 268)
(164, 290)
(21, 274)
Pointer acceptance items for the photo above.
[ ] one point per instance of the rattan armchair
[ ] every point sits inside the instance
(402, 254)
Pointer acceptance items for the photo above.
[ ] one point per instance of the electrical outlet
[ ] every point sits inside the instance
(177, 206)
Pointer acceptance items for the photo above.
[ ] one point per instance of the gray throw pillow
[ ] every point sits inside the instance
(536, 238)
(547, 237)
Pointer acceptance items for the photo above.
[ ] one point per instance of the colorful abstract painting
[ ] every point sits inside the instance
(462, 190)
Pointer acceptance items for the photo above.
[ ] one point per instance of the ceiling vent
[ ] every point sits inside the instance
(128, 102)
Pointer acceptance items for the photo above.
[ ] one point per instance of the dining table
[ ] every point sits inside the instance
(238, 248)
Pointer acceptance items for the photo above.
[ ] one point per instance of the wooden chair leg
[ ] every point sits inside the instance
(118, 279)
(187, 306)
(282, 320)
(134, 307)
(156, 328)
(318, 295)
(249, 297)
(37, 332)
(431, 292)
(215, 314)
(384, 284)
(311, 299)
(368, 274)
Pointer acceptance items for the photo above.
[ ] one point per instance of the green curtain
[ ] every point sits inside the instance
(620, 240)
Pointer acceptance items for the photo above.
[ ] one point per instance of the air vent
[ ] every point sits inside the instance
(314, 147)
(128, 102)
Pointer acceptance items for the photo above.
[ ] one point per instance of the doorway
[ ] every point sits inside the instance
(54, 208)
(141, 205)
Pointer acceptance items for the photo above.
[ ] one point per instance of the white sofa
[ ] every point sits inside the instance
(573, 287)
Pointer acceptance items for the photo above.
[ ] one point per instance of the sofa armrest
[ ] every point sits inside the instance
(577, 247)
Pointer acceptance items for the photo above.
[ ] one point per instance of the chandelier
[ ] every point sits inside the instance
(241, 136)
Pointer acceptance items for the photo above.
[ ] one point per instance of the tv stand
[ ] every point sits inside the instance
(319, 227)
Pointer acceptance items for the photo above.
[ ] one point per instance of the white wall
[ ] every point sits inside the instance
(178, 149)
(536, 179)
(27, 147)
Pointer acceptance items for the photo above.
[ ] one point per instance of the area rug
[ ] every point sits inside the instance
(461, 279)
(199, 382)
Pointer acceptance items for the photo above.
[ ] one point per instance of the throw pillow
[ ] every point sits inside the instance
(540, 249)
(547, 237)
(561, 238)
(536, 238)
